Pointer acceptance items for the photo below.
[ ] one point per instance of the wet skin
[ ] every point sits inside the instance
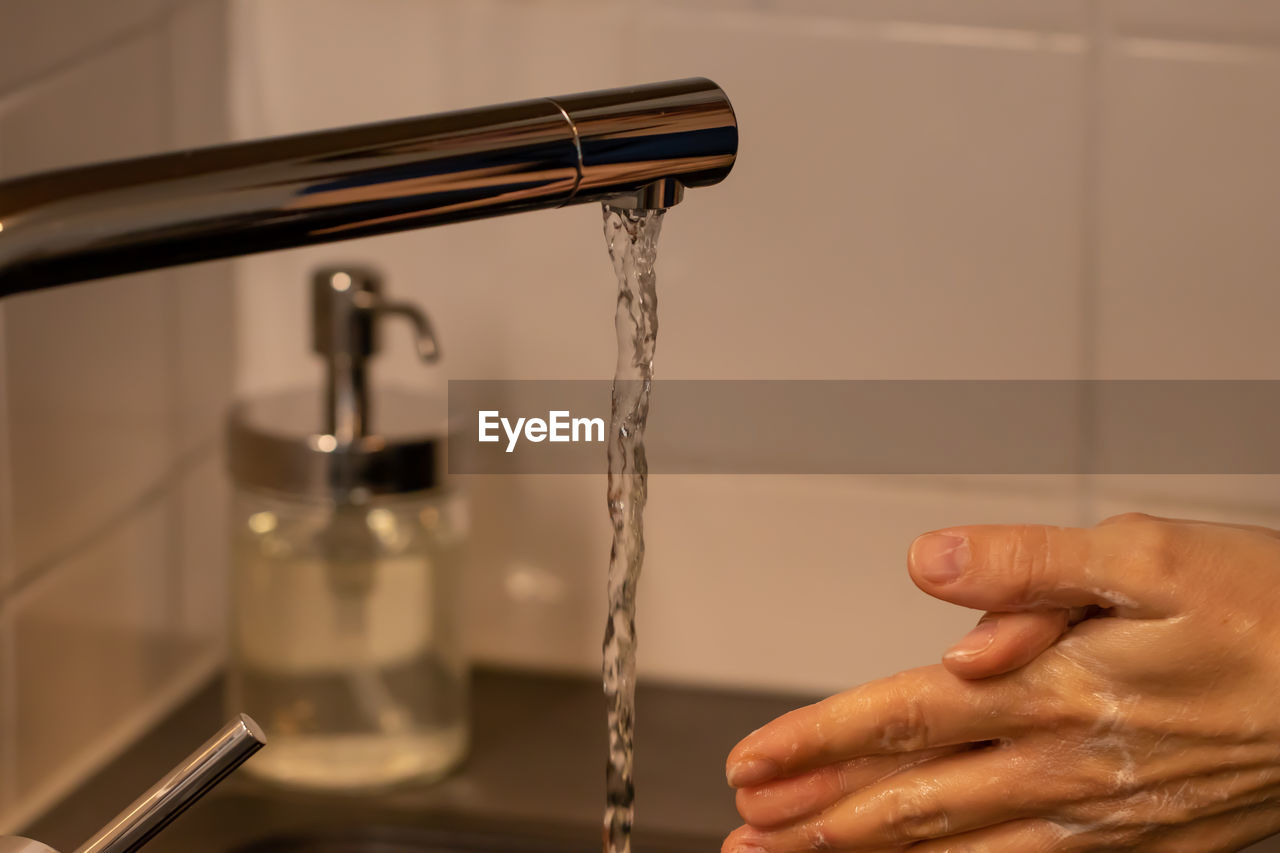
(1121, 692)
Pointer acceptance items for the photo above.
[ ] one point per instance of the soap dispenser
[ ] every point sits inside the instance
(346, 553)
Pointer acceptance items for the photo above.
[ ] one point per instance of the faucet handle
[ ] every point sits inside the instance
(179, 789)
(168, 798)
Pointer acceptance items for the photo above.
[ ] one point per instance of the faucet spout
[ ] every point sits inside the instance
(639, 147)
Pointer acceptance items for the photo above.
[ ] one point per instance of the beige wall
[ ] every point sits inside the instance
(1058, 189)
(110, 395)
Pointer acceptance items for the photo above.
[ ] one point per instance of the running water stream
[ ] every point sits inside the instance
(632, 237)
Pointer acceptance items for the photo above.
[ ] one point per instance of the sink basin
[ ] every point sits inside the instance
(259, 821)
(369, 841)
(532, 783)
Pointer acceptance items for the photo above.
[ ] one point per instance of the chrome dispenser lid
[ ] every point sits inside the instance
(345, 443)
(279, 443)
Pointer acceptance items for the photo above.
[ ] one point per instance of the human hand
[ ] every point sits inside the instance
(1157, 727)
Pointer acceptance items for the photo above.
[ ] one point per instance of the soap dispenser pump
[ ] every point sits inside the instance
(346, 541)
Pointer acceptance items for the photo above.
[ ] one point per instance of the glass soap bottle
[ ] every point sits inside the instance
(344, 642)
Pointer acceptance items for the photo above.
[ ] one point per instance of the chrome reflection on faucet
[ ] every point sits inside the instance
(199, 772)
(636, 147)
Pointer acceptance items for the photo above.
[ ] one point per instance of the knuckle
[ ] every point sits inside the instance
(1127, 518)
(905, 726)
(1079, 789)
(1121, 838)
(1060, 703)
(914, 814)
(1155, 548)
(1030, 560)
(1157, 545)
(1056, 709)
(816, 835)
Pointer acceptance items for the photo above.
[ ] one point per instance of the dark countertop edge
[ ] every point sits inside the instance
(523, 720)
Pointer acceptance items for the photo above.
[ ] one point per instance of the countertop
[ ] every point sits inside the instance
(535, 773)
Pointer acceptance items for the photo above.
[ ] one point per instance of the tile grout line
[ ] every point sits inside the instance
(174, 570)
(936, 33)
(8, 675)
(8, 711)
(131, 729)
(1196, 50)
(24, 87)
(1090, 219)
(924, 29)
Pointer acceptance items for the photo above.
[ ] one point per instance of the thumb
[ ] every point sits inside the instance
(1012, 568)
(1003, 642)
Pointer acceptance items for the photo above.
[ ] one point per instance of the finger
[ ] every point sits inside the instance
(940, 798)
(1132, 517)
(736, 843)
(1003, 642)
(784, 800)
(1231, 831)
(1125, 567)
(1019, 836)
(913, 710)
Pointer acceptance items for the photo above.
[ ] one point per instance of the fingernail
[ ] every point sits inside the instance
(751, 772)
(940, 557)
(975, 642)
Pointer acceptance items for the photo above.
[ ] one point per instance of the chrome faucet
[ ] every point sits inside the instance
(171, 796)
(635, 147)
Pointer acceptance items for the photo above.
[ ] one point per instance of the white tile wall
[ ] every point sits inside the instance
(201, 543)
(201, 331)
(878, 18)
(38, 37)
(110, 400)
(900, 207)
(93, 425)
(109, 368)
(196, 40)
(816, 597)
(102, 627)
(778, 582)
(924, 189)
(117, 99)
(930, 228)
(1186, 219)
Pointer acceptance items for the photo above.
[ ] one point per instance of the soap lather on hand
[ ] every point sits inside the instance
(1121, 693)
